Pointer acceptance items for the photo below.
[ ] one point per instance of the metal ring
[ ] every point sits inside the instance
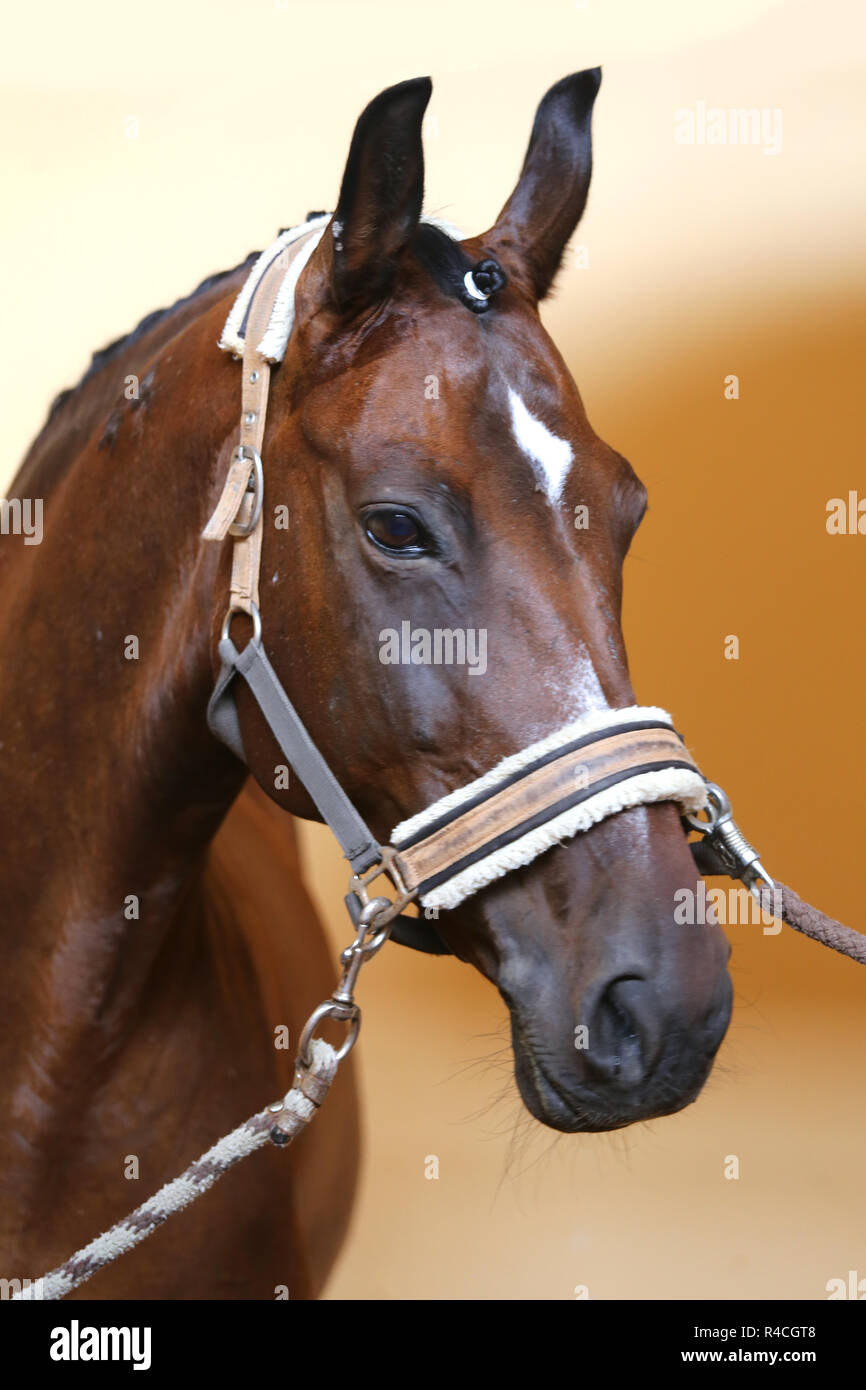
(717, 807)
(251, 612)
(329, 1010)
(257, 478)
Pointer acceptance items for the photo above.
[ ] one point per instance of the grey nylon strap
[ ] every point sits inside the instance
(358, 843)
(222, 715)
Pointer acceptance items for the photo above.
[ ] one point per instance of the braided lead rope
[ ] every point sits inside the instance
(782, 902)
(808, 920)
(280, 1123)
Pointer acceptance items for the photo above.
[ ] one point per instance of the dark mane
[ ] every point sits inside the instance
(114, 349)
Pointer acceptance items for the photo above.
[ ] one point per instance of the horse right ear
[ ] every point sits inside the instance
(532, 230)
(380, 201)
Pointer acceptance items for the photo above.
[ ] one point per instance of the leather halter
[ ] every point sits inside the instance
(538, 797)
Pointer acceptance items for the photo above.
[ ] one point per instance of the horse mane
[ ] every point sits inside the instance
(114, 349)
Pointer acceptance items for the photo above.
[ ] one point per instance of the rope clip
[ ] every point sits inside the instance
(726, 839)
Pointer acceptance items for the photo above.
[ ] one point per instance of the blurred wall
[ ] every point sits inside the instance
(130, 174)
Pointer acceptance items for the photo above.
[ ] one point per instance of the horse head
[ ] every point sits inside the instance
(441, 475)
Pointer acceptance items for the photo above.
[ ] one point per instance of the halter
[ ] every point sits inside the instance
(577, 776)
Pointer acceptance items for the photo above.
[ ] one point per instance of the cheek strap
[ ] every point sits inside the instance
(558, 787)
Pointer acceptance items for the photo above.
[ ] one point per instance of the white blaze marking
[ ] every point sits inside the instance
(550, 456)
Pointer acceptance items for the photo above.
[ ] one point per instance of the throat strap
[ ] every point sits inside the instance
(357, 841)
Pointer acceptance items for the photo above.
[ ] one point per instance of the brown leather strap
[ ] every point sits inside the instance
(236, 503)
(247, 556)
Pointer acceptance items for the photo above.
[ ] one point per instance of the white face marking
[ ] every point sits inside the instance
(577, 692)
(550, 456)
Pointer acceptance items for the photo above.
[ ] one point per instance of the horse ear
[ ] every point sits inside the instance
(535, 224)
(380, 197)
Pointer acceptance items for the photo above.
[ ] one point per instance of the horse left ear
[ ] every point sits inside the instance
(533, 228)
(380, 199)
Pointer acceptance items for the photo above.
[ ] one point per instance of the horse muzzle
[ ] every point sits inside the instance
(632, 1060)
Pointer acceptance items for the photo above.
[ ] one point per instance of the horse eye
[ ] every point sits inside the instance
(396, 530)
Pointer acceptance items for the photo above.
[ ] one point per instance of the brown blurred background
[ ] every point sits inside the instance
(131, 173)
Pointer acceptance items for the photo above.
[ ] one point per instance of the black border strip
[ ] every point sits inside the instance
(542, 817)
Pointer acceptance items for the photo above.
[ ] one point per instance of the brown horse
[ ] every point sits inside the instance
(431, 457)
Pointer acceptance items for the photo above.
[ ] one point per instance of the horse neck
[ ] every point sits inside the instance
(112, 783)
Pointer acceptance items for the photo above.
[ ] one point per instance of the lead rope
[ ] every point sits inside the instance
(808, 920)
(724, 850)
(315, 1068)
(279, 1123)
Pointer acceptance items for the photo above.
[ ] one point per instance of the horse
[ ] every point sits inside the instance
(432, 459)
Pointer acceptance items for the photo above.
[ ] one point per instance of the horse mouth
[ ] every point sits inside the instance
(573, 1108)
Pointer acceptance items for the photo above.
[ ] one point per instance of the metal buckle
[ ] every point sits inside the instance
(255, 488)
(389, 865)
(741, 859)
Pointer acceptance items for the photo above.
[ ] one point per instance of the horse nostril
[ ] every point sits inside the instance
(616, 1050)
